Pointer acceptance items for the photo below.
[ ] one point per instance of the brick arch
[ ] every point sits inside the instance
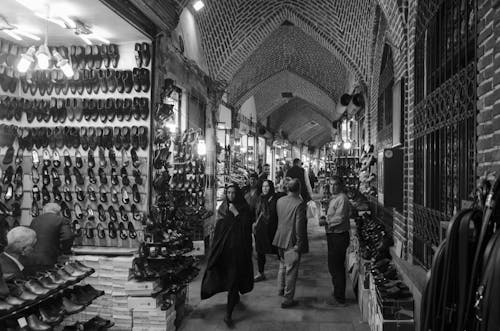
(288, 48)
(343, 27)
(394, 14)
(268, 96)
(299, 119)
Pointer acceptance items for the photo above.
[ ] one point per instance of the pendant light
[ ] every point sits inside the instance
(43, 54)
(26, 60)
(63, 64)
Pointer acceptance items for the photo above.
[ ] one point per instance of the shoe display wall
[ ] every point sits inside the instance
(82, 142)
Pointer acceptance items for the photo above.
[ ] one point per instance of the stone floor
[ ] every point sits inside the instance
(261, 308)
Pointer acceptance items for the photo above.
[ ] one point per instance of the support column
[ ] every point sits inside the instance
(215, 92)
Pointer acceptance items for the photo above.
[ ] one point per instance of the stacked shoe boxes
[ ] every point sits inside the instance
(147, 310)
(111, 276)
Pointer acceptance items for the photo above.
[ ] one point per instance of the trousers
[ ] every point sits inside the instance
(287, 275)
(337, 247)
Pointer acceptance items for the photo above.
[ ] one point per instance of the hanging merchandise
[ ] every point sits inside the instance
(461, 291)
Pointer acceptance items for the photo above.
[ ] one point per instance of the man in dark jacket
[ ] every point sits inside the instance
(291, 240)
(298, 172)
(54, 238)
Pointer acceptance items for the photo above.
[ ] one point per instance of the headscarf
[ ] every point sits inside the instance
(271, 189)
(239, 201)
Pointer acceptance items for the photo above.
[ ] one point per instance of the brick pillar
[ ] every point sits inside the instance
(215, 92)
(409, 124)
(488, 90)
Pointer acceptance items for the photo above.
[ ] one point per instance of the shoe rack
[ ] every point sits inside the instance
(82, 142)
(43, 302)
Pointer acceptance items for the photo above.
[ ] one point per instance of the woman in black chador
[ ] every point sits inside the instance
(265, 225)
(229, 265)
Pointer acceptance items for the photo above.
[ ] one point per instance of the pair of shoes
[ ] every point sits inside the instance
(141, 79)
(260, 277)
(334, 302)
(142, 54)
(289, 304)
(229, 322)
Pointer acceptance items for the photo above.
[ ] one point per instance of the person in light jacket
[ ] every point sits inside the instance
(337, 235)
(291, 240)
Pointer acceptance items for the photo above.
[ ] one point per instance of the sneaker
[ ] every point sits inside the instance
(259, 278)
(289, 304)
(335, 303)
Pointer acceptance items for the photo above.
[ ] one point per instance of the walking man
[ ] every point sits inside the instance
(337, 236)
(291, 240)
(298, 172)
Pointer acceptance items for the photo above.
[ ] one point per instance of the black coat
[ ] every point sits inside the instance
(267, 223)
(54, 237)
(299, 173)
(230, 257)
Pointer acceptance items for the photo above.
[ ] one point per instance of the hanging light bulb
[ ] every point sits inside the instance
(43, 56)
(347, 144)
(26, 60)
(202, 147)
(63, 64)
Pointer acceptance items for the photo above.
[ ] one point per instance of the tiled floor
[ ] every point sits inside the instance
(260, 309)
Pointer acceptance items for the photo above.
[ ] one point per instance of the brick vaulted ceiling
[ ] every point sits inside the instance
(315, 49)
(288, 48)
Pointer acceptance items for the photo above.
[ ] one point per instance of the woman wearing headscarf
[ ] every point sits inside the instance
(229, 268)
(265, 225)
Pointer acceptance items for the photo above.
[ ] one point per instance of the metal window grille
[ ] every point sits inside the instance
(445, 118)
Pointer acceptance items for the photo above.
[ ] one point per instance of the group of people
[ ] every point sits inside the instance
(277, 218)
(37, 248)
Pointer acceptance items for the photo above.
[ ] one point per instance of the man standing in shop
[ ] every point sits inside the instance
(54, 238)
(296, 171)
(337, 237)
(291, 240)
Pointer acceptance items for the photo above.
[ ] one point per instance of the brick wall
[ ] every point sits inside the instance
(488, 79)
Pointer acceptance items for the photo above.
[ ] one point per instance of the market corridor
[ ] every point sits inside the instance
(261, 308)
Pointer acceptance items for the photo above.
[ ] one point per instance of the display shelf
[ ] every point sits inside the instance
(106, 251)
(51, 295)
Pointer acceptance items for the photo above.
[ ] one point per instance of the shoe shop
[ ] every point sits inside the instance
(249, 164)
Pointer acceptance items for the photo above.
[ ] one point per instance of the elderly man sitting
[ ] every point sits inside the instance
(20, 242)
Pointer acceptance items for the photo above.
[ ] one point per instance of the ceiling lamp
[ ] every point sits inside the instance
(347, 144)
(26, 60)
(198, 5)
(43, 57)
(63, 64)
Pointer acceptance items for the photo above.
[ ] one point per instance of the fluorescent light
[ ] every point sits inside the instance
(84, 38)
(30, 4)
(12, 34)
(26, 60)
(26, 34)
(69, 21)
(202, 147)
(198, 5)
(98, 37)
(43, 57)
(53, 20)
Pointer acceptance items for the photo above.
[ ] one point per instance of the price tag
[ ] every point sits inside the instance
(22, 322)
